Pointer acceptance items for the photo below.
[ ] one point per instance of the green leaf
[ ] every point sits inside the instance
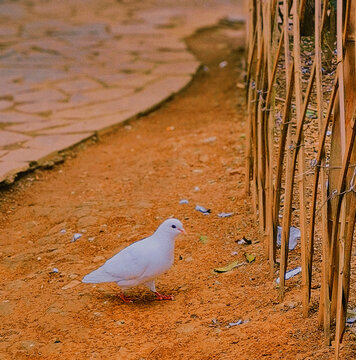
(311, 114)
(227, 267)
(203, 239)
(250, 258)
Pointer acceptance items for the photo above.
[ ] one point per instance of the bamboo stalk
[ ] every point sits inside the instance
(301, 156)
(340, 305)
(324, 308)
(341, 213)
(289, 191)
(281, 146)
(340, 67)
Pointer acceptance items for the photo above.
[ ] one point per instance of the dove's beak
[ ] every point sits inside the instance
(182, 231)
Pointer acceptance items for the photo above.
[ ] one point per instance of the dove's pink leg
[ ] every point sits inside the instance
(125, 299)
(163, 297)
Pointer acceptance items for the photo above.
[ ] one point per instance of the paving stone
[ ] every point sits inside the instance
(9, 138)
(2, 153)
(160, 16)
(25, 155)
(45, 26)
(41, 75)
(77, 85)
(98, 95)
(16, 117)
(91, 111)
(8, 89)
(98, 124)
(97, 30)
(43, 95)
(30, 127)
(9, 169)
(12, 11)
(167, 56)
(34, 59)
(59, 9)
(84, 67)
(50, 45)
(56, 142)
(134, 29)
(8, 31)
(154, 93)
(142, 66)
(43, 106)
(4, 104)
(177, 68)
(108, 55)
(127, 80)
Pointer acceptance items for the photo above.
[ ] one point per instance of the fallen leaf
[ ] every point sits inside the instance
(228, 267)
(250, 258)
(203, 239)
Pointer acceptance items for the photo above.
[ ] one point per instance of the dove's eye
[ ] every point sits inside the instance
(173, 226)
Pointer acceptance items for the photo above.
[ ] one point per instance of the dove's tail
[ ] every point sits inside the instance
(98, 276)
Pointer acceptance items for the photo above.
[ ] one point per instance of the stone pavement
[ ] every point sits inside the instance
(70, 69)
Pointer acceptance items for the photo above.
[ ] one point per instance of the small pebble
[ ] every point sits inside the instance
(76, 236)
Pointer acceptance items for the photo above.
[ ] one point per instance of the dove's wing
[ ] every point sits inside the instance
(130, 263)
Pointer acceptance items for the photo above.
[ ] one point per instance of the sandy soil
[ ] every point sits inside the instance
(119, 190)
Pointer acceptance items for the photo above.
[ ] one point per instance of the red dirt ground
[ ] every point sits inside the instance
(120, 189)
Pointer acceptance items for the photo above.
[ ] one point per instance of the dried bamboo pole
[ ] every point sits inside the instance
(268, 122)
(348, 111)
(286, 39)
(321, 144)
(249, 139)
(344, 275)
(289, 189)
(301, 160)
(259, 70)
(340, 67)
(274, 220)
(281, 146)
(324, 308)
(325, 290)
(252, 33)
(260, 158)
(340, 201)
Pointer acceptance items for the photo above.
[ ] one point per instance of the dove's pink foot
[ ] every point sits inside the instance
(163, 297)
(125, 299)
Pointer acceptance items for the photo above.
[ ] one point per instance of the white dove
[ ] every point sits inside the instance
(141, 262)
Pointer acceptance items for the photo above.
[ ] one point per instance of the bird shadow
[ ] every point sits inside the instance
(138, 300)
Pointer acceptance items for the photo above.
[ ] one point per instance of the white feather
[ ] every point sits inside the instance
(142, 261)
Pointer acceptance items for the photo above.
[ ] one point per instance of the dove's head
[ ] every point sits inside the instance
(171, 227)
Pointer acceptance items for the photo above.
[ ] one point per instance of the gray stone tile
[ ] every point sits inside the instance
(42, 95)
(12, 11)
(73, 86)
(25, 155)
(16, 117)
(8, 31)
(10, 138)
(5, 104)
(177, 68)
(35, 126)
(10, 168)
(98, 124)
(55, 142)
